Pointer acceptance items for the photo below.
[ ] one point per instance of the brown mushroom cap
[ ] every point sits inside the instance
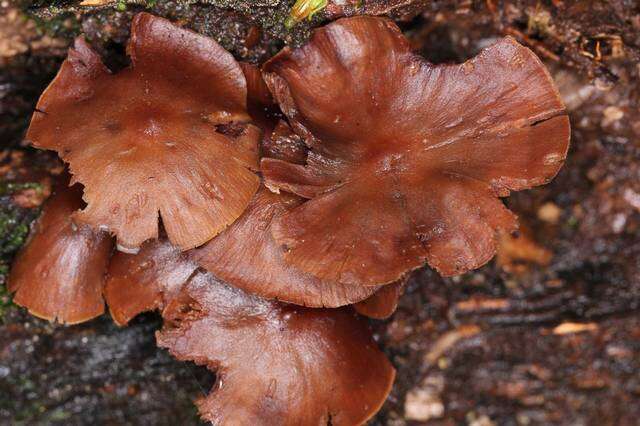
(145, 281)
(407, 159)
(276, 363)
(246, 256)
(59, 274)
(383, 303)
(144, 141)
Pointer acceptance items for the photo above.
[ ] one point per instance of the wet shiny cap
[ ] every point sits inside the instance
(60, 272)
(276, 362)
(152, 141)
(407, 160)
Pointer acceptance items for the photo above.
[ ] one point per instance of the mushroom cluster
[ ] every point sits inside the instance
(264, 212)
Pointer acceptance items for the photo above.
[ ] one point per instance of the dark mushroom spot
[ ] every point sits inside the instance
(276, 362)
(113, 127)
(407, 159)
(59, 274)
(246, 256)
(146, 121)
(233, 130)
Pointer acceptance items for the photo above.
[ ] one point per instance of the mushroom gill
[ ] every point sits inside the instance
(59, 274)
(407, 160)
(276, 363)
(150, 141)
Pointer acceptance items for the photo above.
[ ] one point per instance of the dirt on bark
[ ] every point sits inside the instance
(547, 333)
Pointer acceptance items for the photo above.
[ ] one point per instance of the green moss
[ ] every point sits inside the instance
(56, 23)
(5, 298)
(573, 222)
(7, 188)
(14, 229)
(14, 226)
(63, 18)
(59, 415)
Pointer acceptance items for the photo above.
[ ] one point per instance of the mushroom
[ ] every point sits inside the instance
(283, 144)
(326, 355)
(145, 281)
(246, 256)
(407, 159)
(168, 136)
(276, 363)
(383, 303)
(278, 140)
(260, 104)
(59, 274)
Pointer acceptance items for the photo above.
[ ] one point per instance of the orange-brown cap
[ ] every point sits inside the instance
(246, 256)
(59, 274)
(149, 141)
(407, 159)
(276, 363)
(260, 103)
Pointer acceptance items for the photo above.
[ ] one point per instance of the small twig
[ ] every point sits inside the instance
(539, 47)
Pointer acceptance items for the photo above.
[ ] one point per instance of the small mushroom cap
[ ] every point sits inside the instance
(59, 274)
(276, 363)
(246, 256)
(143, 141)
(383, 303)
(407, 159)
(145, 281)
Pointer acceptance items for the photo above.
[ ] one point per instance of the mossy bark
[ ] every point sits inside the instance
(511, 343)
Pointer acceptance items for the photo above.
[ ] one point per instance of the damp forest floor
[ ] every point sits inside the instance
(547, 333)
